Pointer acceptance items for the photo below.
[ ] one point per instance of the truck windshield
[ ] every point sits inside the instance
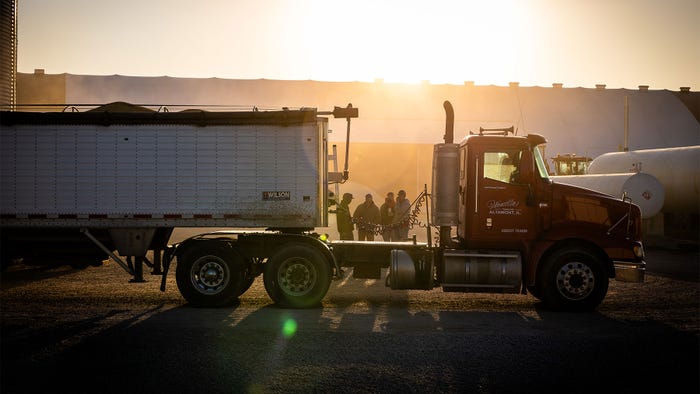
(541, 168)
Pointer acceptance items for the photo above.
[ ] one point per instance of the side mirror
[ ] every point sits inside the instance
(527, 172)
(527, 167)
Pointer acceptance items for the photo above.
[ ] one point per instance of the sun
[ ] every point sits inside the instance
(440, 41)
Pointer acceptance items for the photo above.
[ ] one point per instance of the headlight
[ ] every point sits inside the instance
(639, 251)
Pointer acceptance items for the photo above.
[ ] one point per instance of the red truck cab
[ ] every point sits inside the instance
(571, 240)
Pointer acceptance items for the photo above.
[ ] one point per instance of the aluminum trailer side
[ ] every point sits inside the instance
(128, 178)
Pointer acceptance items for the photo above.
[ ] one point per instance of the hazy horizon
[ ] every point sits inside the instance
(621, 43)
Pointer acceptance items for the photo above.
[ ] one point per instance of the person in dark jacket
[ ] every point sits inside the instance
(402, 216)
(367, 217)
(386, 217)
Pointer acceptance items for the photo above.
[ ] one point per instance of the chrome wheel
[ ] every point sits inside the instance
(297, 276)
(572, 278)
(209, 275)
(575, 281)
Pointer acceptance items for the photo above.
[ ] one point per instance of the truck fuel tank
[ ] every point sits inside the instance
(411, 270)
(461, 271)
(481, 272)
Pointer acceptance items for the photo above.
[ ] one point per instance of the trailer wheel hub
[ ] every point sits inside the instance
(575, 280)
(209, 274)
(297, 276)
(212, 274)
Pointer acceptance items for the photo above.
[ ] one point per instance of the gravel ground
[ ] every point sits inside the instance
(90, 330)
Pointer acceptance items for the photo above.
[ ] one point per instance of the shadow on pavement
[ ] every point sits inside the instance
(384, 348)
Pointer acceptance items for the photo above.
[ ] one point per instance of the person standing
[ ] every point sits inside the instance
(402, 216)
(386, 217)
(366, 216)
(342, 213)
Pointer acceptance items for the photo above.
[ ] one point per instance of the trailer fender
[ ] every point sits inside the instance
(541, 250)
(319, 245)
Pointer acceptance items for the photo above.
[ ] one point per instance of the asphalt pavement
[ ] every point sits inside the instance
(90, 330)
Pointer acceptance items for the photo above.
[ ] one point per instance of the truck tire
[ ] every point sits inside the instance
(573, 279)
(297, 276)
(210, 274)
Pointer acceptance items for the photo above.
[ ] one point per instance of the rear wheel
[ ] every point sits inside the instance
(573, 279)
(210, 274)
(297, 276)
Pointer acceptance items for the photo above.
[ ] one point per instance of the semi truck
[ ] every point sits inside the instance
(77, 185)
(500, 224)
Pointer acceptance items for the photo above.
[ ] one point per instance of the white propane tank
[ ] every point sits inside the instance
(678, 170)
(645, 190)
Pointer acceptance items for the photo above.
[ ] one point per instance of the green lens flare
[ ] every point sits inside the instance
(289, 328)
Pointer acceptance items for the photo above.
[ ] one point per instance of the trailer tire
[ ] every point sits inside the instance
(210, 274)
(297, 276)
(572, 279)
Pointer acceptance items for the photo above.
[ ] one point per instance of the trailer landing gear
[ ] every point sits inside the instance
(137, 268)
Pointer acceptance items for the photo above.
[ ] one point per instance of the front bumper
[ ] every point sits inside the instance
(626, 271)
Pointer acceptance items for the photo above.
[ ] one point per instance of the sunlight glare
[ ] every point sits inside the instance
(411, 42)
(289, 328)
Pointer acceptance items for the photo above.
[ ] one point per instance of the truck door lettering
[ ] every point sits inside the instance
(509, 207)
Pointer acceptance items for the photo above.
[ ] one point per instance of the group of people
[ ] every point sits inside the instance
(391, 220)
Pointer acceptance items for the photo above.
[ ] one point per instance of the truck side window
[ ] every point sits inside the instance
(502, 166)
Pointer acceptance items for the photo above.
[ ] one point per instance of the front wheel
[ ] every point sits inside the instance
(298, 276)
(573, 279)
(210, 274)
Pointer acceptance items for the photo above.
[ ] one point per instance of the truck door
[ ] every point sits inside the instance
(501, 211)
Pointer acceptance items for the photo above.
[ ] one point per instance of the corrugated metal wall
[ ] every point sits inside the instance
(8, 54)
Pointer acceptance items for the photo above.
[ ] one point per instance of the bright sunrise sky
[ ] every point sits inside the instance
(621, 43)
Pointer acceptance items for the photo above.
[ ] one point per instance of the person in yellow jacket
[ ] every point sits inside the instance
(344, 219)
